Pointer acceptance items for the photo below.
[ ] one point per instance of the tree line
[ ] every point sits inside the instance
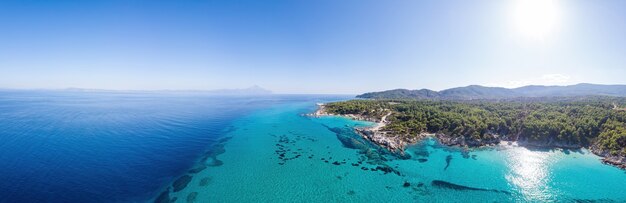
(584, 121)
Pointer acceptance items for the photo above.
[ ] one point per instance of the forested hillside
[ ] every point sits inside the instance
(481, 92)
(597, 121)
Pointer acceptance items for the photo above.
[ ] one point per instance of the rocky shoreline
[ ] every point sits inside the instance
(375, 134)
(393, 143)
(397, 143)
(607, 158)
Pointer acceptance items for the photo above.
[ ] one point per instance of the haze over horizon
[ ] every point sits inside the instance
(310, 47)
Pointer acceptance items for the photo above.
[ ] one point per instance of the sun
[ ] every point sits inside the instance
(535, 18)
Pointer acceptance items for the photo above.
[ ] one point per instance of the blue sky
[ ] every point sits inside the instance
(321, 46)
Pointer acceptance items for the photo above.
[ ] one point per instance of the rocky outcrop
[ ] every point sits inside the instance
(608, 158)
(393, 143)
(375, 134)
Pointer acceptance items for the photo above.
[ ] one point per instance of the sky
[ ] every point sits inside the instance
(309, 46)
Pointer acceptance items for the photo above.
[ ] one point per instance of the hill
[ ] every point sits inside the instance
(481, 92)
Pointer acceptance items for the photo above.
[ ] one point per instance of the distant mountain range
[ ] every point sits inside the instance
(481, 92)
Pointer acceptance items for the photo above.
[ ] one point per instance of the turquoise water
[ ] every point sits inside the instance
(278, 155)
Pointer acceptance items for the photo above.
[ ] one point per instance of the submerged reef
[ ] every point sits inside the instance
(449, 185)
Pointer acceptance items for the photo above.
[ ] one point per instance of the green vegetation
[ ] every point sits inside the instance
(571, 121)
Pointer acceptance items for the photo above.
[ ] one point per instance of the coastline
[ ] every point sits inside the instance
(397, 144)
(375, 134)
(607, 158)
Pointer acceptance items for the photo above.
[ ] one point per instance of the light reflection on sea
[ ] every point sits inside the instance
(528, 171)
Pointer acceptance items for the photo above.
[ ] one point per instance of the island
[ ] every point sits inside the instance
(597, 123)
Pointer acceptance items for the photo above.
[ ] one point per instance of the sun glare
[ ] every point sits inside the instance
(535, 18)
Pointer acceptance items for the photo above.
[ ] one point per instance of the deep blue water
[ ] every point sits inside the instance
(109, 147)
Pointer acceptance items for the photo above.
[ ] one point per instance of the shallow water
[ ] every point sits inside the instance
(115, 147)
(277, 155)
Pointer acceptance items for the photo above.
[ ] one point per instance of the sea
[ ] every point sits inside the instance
(74, 146)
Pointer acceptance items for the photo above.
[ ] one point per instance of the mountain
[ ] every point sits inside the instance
(482, 92)
(401, 93)
(476, 91)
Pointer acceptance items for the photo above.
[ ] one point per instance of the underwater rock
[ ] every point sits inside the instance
(355, 164)
(448, 185)
(465, 154)
(364, 168)
(197, 170)
(387, 169)
(448, 159)
(422, 160)
(192, 197)
(402, 156)
(284, 139)
(216, 150)
(214, 162)
(422, 153)
(212, 154)
(420, 184)
(336, 163)
(593, 200)
(374, 156)
(444, 184)
(351, 192)
(181, 183)
(474, 157)
(224, 139)
(205, 181)
(164, 197)
(344, 136)
(406, 184)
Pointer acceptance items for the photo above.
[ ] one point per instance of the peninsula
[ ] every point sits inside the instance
(594, 122)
